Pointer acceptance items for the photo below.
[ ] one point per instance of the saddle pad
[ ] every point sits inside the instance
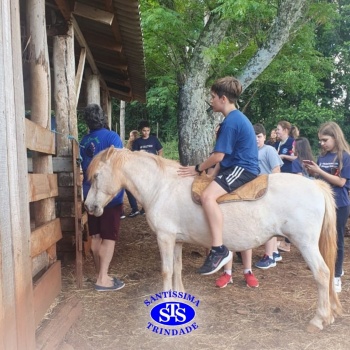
(250, 191)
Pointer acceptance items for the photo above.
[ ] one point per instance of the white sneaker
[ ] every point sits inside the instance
(337, 284)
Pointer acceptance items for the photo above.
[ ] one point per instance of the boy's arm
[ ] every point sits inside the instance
(160, 152)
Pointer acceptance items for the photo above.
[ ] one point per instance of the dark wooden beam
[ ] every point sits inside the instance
(93, 13)
(65, 7)
(108, 43)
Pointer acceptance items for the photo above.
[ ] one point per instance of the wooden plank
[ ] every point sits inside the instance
(16, 298)
(52, 334)
(59, 164)
(102, 41)
(39, 139)
(46, 290)
(93, 13)
(41, 186)
(65, 8)
(80, 73)
(44, 236)
(67, 224)
(78, 228)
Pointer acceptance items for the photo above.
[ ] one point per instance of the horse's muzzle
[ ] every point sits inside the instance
(93, 209)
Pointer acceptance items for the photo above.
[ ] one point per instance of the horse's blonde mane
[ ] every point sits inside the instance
(119, 156)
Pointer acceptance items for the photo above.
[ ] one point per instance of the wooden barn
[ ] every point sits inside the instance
(56, 56)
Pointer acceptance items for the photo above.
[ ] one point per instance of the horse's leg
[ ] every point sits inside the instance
(177, 278)
(320, 271)
(166, 243)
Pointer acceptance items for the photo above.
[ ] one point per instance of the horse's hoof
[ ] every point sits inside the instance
(311, 328)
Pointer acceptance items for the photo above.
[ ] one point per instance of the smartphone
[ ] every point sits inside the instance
(306, 161)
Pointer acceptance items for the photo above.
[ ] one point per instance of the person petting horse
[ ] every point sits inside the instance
(236, 158)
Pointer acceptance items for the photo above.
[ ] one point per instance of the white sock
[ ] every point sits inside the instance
(276, 252)
(229, 272)
(247, 271)
(271, 257)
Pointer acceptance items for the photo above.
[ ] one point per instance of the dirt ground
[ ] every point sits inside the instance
(273, 316)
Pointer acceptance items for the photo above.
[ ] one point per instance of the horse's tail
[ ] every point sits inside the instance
(328, 240)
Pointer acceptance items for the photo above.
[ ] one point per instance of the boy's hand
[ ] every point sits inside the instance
(187, 171)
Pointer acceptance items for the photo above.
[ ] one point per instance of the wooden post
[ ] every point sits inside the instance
(17, 330)
(41, 96)
(92, 87)
(64, 91)
(122, 121)
(109, 113)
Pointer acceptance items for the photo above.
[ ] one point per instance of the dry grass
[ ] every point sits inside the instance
(273, 316)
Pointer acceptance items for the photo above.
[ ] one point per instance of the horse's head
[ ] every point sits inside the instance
(104, 185)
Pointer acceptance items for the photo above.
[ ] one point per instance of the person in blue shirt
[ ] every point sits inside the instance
(235, 157)
(104, 230)
(333, 166)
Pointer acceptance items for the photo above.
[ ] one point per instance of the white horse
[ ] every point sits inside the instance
(295, 207)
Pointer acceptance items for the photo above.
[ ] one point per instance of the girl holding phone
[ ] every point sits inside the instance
(333, 166)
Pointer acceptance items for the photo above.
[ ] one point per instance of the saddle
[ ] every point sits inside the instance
(250, 191)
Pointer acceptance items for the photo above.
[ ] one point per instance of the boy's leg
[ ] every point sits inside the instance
(212, 211)
(219, 254)
(251, 280)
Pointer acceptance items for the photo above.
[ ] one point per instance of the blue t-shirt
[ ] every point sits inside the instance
(285, 148)
(90, 145)
(236, 138)
(329, 163)
(150, 145)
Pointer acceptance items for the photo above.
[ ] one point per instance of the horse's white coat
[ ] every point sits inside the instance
(293, 207)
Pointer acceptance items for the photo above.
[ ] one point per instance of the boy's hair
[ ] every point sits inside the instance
(228, 86)
(143, 124)
(285, 125)
(259, 129)
(333, 129)
(94, 116)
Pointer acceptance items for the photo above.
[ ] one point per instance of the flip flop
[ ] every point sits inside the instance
(118, 284)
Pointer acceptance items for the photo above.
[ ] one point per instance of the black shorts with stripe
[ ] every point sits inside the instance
(232, 178)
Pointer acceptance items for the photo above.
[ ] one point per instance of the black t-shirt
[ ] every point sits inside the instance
(150, 145)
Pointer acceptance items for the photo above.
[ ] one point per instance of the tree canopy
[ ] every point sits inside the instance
(306, 83)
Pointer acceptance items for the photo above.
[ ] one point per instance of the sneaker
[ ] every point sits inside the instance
(122, 216)
(133, 214)
(215, 261)
(265, 262)
(337, 284)
(142, 212)
(251, 280)
(277, 256)
(223, 280)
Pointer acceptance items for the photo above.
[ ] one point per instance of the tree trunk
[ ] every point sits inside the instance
(195, 125)
(196, 128)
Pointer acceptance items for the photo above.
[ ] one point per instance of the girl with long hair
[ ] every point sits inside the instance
(333, 166)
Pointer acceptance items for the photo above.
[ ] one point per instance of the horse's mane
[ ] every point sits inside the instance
(122, 155)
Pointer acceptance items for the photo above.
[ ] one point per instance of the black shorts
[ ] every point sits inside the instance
(232, 178)
(107, 225)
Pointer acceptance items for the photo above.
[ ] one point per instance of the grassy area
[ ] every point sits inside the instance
(170, 150)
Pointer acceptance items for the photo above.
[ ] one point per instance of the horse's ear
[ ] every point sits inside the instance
(110, 152)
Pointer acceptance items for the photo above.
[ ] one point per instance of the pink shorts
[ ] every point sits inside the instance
(107, 225)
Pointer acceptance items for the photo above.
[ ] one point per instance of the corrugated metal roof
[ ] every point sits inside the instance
(117, 47)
